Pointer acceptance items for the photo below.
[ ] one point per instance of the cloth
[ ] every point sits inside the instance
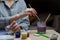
(3, 32)
(5, 12)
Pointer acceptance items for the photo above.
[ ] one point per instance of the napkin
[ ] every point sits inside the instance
(6, 37)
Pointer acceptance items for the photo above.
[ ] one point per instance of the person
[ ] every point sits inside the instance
(15, 14)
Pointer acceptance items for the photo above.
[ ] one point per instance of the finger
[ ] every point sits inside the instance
(34, 11)
(16, 28)
(12, 23)
(30, 13)
(13, 26)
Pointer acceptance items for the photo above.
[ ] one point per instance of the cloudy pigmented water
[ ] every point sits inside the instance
(41, 27)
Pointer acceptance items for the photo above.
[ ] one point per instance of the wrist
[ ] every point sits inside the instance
(25, 13)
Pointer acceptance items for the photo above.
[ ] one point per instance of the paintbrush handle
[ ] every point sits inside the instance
(37, 17)
(42, 35)
(47, 18)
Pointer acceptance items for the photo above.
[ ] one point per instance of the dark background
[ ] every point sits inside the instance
(44, 7)
(52, 6)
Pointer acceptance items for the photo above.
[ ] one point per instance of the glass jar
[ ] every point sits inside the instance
(41, 27)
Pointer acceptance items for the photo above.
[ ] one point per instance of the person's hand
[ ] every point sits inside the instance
(30, 11)
(14, 26)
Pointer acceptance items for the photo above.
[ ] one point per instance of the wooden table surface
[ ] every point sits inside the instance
(33, 37)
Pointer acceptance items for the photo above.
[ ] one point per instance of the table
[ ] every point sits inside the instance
(48, 33)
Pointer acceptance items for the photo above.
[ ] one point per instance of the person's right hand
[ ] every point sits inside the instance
(30, 11)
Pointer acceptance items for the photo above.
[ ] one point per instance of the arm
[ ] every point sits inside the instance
(17, 16)
(28, 11)
(6, 20)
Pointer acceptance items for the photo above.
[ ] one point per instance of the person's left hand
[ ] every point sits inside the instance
(14, 26)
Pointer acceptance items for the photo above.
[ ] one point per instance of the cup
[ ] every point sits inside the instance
(41, 27)
(24, 35)
(17, 34)
(53, 37)
(28, 33)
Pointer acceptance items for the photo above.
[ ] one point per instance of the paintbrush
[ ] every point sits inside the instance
(47, 18)
(42, 35)
(35, 14)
